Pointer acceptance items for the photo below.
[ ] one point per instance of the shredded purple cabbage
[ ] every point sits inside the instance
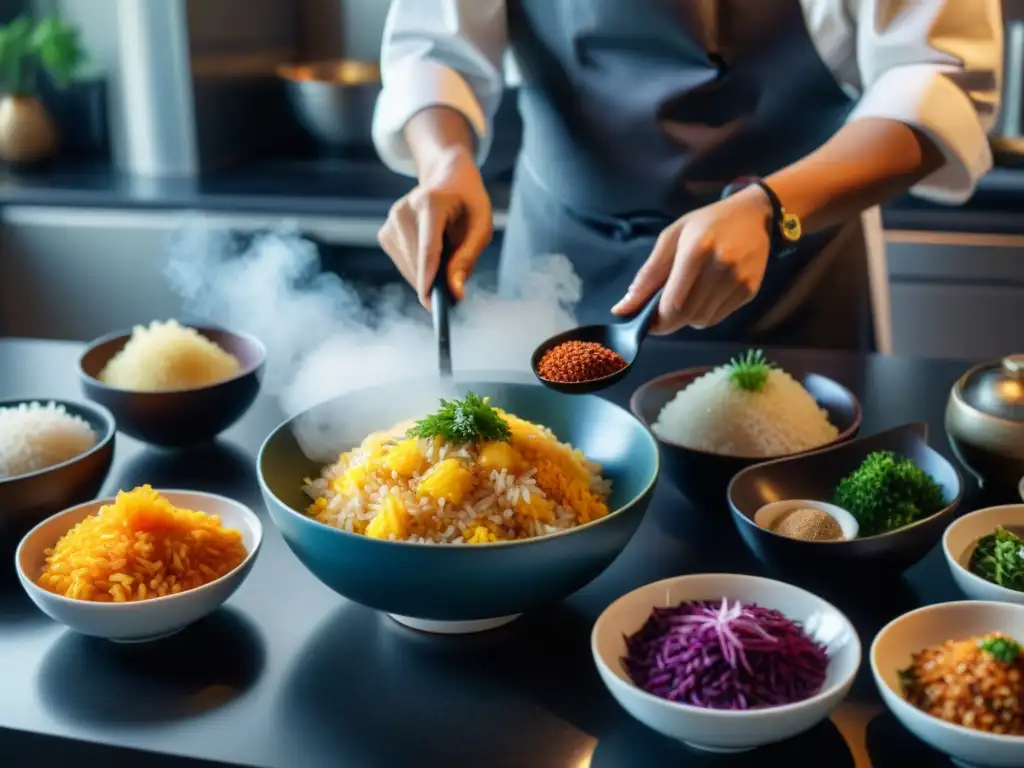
(722, 656)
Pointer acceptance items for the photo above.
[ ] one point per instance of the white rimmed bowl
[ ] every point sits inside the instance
(146, 619)
(961, 539)
(769, 514)
(932, 625)
(723, 730)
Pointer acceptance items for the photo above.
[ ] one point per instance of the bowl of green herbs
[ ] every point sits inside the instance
(902, 493)
(985, 553)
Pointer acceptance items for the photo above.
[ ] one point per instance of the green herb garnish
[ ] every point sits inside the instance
(1001, 648)
(999, 558)
(888, 492)
(907, 679)
(749, 371)
(463, 421)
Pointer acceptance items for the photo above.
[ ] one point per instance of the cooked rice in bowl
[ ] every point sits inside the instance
(36, 436)
(402, 486)
(140, 547)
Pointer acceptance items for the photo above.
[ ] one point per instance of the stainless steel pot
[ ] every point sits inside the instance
(1008, 132)
(985, 421)
(334, 100)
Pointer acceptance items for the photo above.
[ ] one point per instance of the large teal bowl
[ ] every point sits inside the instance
(448, 588)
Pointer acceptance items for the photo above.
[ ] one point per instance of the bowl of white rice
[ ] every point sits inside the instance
(173, 385)
(53, 454)
(714, 422)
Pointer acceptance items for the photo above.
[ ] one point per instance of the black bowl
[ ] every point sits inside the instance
(704, 477)
(25, 500)
(814, 476)
(177, 418)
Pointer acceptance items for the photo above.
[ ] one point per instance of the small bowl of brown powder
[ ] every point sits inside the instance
(807, 520)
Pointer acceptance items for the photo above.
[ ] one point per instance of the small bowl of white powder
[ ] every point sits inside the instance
(53, 454)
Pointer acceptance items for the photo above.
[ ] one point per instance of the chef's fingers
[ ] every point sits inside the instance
(678, 302)
(478, 229)
(730, 297)
(740, 295)
(433, 212)
(432, 220)
(394, 241)
(652, 275)
(713, 288)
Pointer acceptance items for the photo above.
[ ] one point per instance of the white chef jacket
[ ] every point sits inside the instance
(933, 64)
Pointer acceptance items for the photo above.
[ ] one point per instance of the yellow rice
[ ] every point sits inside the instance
(138, 548)
(168, 356)
(430, 491)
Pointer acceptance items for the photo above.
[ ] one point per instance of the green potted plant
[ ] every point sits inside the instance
(27, 133)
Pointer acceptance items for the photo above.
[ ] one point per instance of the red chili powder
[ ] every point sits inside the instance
(576, 361)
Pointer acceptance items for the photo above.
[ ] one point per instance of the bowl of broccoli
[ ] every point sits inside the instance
(902, 493)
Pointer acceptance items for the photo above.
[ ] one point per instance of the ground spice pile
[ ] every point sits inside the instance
(576, 361)
(809, 525)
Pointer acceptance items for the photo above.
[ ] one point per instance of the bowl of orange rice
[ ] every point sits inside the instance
(140, 566)
(459, 512)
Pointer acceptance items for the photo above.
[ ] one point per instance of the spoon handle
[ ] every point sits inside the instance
(641, 323)
(441, 301)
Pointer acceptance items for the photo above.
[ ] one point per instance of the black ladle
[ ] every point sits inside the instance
(441, 302)
(625, 338)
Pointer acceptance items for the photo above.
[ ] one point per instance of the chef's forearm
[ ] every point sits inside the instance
(436, 131)
(868, 162)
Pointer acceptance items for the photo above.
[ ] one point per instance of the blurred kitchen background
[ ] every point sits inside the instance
(209, 105)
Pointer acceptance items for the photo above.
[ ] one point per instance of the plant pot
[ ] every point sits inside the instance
(27, 133)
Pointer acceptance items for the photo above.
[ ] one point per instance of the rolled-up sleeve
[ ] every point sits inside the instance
(439, 53)
(935, 65)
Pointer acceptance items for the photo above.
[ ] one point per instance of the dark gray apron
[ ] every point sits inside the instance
(636, 112)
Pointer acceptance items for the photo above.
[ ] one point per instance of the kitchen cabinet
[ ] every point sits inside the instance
(956, 295)
(68, 273)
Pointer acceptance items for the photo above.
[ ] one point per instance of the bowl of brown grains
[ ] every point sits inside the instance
(953, 675)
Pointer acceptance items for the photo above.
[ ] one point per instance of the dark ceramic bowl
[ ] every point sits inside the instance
(703, 477)
(451, 588)
(814, 476)
(27, 499)
(177, 418)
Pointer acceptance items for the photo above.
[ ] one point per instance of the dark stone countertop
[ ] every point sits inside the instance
(289, 674)
(361, 188)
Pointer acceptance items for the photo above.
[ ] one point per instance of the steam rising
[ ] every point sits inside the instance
(324, 338)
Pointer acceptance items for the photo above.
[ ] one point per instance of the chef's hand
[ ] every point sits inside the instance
(450, 196)
(711, 262)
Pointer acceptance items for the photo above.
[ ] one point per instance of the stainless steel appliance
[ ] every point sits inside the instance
(1008, 136)
(198, 80)
(334, 100)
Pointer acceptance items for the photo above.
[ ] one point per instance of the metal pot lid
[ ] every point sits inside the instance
(998, 389)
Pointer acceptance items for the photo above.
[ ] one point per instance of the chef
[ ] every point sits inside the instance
(730, 152)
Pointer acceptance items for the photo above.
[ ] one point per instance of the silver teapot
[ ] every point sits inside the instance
(985, 422)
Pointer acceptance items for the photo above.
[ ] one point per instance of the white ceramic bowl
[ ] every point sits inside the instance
(961, 538)
(723, 730)
(769, 513)
(933, 625)
(146, 619)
